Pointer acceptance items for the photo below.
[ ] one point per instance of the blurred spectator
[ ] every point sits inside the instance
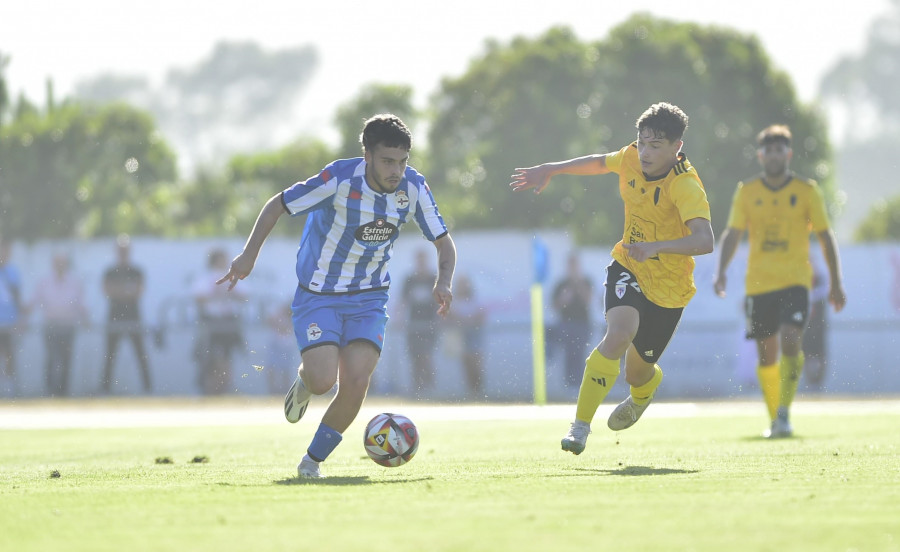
(469, 317)
(745, 358)
(421, 321)
(60, 297)
(895, 284)
(572, 302)
(815, 346)
(219, 330)
(282, 359)
(123, 284)
(10, 313)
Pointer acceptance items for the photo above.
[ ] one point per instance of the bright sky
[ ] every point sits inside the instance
(413, 42)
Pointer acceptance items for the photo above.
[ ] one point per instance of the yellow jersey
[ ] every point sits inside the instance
(778, 223)
(656, 210)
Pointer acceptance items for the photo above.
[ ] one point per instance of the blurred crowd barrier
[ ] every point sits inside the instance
(708, 357)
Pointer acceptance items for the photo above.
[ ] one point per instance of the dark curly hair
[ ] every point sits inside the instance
(387, 130)
(666, 120)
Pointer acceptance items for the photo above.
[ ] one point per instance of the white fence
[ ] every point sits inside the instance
(707, 357)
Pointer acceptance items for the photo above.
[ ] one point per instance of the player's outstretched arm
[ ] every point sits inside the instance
(538, 177)
(836, 295)
(699, 242)
(728, 245)
(243, 264)
(443, 287)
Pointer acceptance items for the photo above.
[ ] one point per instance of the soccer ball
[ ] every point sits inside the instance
(391, 439)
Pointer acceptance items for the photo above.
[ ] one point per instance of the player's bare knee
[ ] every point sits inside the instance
(319, 382)
(791, 342)
(615, 344)
(356, 381)
(322, 387)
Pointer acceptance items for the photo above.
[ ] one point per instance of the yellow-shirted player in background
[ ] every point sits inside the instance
(778, 209)
(650, 279)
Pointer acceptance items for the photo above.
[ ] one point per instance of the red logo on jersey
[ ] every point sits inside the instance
(325, 175)
(355, 194)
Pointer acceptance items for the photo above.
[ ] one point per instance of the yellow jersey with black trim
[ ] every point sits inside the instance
(656, 210)
(778, 222)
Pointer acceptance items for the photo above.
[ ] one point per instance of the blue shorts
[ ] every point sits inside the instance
(339, 319)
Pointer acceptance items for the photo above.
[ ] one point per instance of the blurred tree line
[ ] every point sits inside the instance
(81, 170)
(95, 168)
(865, 86)
(237, 99)
(556, 97)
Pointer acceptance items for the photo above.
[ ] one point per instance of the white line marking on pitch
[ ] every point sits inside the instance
(180, 412)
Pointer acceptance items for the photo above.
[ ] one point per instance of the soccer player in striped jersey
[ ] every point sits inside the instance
(778, 209)
(650, 279)
(355, 209)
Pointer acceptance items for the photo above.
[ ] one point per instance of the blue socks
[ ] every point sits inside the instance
(324, 442)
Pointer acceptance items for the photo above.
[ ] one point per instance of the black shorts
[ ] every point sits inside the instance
(656, 324)
(766, 312)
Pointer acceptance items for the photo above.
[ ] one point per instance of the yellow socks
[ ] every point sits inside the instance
(770, 383)
(600, 374)
(643, 394)
(779, 382)
(790, 369)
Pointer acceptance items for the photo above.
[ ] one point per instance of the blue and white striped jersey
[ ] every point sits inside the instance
(351, 228)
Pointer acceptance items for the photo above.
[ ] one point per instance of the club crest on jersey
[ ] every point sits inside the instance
(313, 332)
(401, 199)
(376, 232)
(620, 290)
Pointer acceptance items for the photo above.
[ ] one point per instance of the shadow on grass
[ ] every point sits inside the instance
(343, 481)
(641, 471)
(761, 437)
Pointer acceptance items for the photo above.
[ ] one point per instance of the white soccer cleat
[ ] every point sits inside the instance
(296, 401)
(781, 426)
(309, 469)
(576, 438)
(626, 414)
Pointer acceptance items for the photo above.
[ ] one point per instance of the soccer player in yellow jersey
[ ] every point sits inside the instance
(650, 279)
(778, 209)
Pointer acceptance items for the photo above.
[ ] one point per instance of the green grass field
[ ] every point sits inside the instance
(699, 480)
